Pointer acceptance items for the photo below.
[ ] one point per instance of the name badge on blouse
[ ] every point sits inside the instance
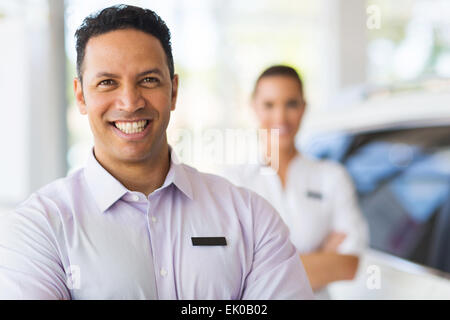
(314, 195)
(209, 241)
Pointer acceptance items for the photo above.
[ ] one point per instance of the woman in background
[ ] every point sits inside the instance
(316, 199)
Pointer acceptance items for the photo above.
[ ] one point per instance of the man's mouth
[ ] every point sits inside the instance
(131, 127)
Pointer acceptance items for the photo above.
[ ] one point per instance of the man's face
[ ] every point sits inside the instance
(127, 94)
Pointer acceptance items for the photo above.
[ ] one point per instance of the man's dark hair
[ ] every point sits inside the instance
(123, 17)
(280, 70)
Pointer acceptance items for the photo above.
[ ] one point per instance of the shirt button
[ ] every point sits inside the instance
(163, 272)
(135, 197)
(154, 219)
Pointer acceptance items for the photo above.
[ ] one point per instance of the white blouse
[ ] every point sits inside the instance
(318, 198)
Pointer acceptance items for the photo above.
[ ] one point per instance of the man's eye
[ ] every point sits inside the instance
(150, 80)
(107, 82)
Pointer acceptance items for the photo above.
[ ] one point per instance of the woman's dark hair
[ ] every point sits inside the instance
(279, 70)
(123, 17)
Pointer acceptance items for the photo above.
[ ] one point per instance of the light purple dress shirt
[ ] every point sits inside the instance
(86, 236)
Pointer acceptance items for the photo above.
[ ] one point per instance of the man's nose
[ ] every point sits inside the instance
(131, 98)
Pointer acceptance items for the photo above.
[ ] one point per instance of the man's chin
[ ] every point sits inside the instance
(132, 154)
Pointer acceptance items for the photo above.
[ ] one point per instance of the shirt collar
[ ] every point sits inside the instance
(178, 176)
(106, 189)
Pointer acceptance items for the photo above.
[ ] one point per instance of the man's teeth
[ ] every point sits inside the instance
(131, 127)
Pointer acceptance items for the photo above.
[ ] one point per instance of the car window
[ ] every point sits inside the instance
(402, 178)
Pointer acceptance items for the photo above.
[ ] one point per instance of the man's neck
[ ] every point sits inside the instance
(145, 176)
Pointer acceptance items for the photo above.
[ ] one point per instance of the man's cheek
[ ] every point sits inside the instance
(98, 125)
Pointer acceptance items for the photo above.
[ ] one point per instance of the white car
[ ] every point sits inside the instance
(397, 150)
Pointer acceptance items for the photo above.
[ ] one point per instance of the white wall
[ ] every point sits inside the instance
(14, 129)
(33, 88)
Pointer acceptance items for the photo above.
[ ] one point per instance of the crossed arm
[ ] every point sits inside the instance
(327, 265)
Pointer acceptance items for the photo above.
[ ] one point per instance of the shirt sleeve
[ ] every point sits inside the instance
(30, 267)
(277, 271)
(347, 216)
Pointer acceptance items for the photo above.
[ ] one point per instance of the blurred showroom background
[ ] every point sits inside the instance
(377, 82)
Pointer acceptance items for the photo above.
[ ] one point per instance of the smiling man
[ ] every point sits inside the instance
(135, 223)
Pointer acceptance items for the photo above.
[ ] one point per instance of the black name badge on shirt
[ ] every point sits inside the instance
(314, 195)
(209, 241)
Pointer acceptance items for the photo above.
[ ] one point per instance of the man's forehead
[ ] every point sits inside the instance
(127, 48)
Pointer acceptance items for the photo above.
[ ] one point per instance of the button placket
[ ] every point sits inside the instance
(163, 271)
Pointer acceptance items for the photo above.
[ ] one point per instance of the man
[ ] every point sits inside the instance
(135, 223)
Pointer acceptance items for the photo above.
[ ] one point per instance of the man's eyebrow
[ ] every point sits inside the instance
(149, 71)
(106, 74)
(112, 75)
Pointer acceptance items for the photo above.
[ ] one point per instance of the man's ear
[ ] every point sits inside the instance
(174, 92)
(79, 97)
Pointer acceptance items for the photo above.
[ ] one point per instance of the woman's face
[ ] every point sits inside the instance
(279, 104)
